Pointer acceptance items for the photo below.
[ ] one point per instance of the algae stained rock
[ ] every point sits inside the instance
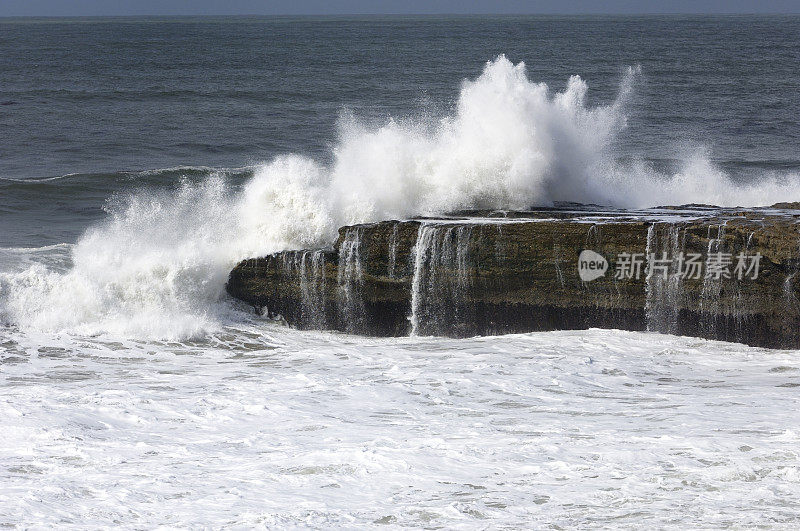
(727, 274)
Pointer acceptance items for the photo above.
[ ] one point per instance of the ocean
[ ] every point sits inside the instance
(142, 158)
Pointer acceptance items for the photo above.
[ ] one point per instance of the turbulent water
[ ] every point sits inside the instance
(266, 426)
(141, 159)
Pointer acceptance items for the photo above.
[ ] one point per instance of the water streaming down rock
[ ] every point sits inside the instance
(448, 276)
(308, 266)
(393, 251)
(441, 279)
(594, 236)
(712, 283)
(557, 261)
(312, 285)
(500, 245)
(790, 291)
(664, 253)
(350, 280)
(739, 309)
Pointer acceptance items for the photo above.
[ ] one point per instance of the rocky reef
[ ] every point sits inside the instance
(695, 270)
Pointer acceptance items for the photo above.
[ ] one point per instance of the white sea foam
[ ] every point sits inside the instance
(270, 427)
(158, 264)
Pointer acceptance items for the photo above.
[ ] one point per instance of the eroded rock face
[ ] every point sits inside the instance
(502, 272)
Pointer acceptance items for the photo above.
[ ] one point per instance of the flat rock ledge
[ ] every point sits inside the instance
(703, 271)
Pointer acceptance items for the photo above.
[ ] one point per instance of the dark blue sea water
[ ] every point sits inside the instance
(94, 98)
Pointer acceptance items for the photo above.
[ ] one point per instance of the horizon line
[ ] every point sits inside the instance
(443, 14)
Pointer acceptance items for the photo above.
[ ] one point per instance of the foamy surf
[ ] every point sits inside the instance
(263, 425)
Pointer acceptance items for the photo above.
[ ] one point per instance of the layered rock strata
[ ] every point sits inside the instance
(729, 274)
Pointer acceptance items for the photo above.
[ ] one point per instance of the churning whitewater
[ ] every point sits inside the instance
(156, 267)
(269, 426)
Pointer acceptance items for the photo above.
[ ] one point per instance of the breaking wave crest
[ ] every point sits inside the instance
(157, 266)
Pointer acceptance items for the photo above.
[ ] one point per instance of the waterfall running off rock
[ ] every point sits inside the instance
(712, 286)
(663, 287)
(519, 272)
(350, 279)
(309, 268)
(393, 252)
(439, 287)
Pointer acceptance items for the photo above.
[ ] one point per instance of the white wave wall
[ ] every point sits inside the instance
(158, 264)
(511, 143)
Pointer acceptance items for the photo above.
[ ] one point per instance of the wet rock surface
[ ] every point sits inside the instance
(728, 274)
